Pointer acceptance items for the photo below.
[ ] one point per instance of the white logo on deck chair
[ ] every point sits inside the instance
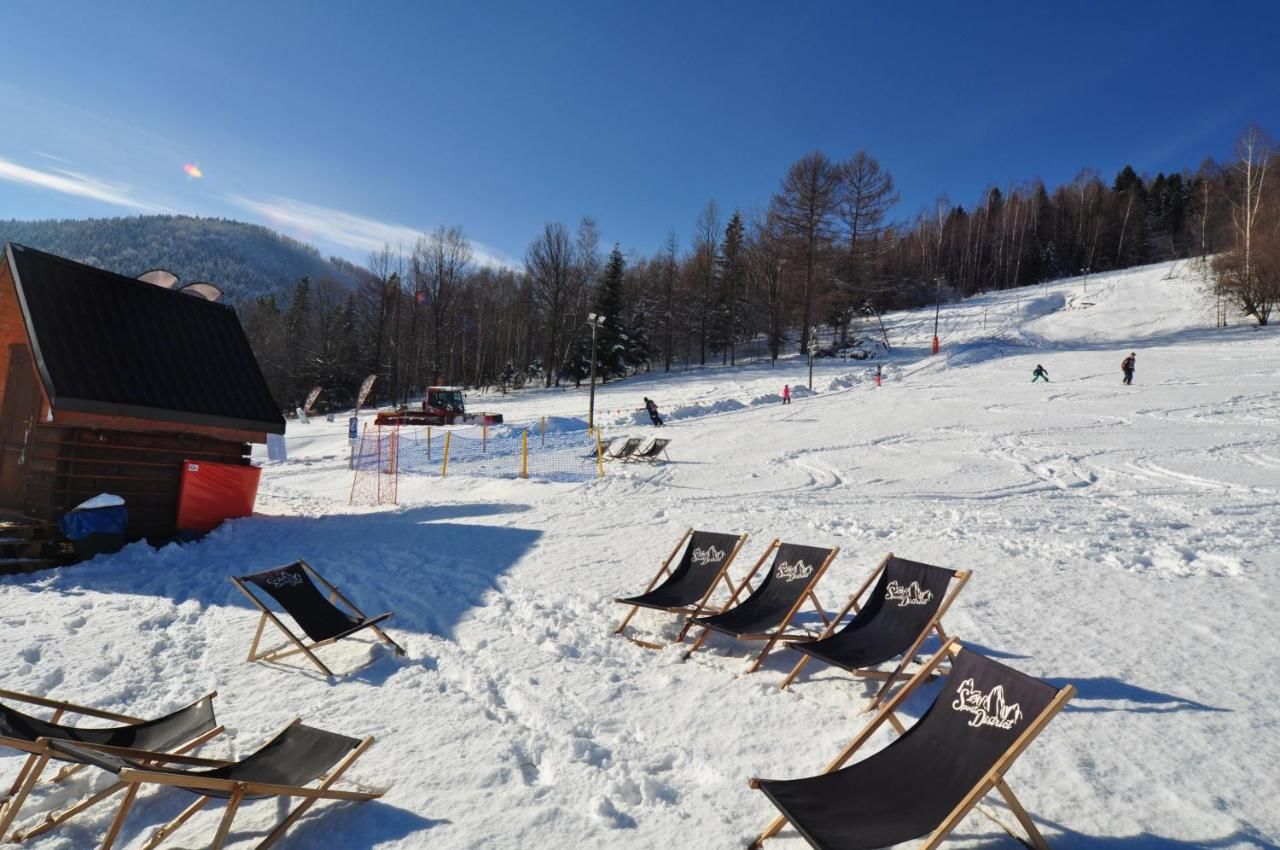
(709, 555)
(791, 572)
(987, 709)
(912, 594)
(284, 580)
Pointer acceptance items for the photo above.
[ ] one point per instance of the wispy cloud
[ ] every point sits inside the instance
(311, 221)
(51, 156)
(73, 183)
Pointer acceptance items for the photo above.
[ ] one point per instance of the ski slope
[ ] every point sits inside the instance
(1124, 539)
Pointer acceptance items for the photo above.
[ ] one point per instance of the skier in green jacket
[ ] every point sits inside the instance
(1039, 373)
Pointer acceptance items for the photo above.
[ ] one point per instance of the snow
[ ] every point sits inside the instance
(1121, 538)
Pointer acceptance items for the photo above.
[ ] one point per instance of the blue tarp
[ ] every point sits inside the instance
(80, 523)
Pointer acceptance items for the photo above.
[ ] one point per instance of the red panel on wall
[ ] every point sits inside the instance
(213, 492)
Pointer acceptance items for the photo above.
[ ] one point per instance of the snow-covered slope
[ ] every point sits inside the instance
(1121, 538)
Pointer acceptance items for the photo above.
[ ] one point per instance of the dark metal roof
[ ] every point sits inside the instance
(112, 345)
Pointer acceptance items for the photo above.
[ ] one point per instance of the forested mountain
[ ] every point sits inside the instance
(244, 260)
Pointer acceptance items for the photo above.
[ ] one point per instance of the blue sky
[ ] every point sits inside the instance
(350, 124)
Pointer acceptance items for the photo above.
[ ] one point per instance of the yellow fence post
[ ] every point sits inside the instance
(444, 468)
(544, 431)
(524, 456)
(484, 436)
(428, 442)
(599, 454)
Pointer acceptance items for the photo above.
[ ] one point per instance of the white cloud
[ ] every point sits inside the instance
(73, 183)
(310, 221)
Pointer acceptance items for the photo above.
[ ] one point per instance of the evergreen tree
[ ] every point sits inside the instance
(611, 338)
(732, 278)
(298, 344)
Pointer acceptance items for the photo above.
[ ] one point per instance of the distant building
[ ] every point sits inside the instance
(108, 384)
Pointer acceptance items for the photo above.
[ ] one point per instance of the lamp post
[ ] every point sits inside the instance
(813, 349)
(596, 321)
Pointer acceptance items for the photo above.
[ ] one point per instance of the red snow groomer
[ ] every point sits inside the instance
(442, 406)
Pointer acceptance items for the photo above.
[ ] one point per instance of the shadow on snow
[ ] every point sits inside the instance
(414, 562)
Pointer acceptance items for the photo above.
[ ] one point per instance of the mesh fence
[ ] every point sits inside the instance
(375, 466)
(506, 451)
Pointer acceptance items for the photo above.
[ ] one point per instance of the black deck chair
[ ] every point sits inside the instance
(925, 782)
(651, 452)
(625, 449)
(170, 735)
(322, 621)
(688, 588)
(600, 449)
(769, 609)
(284, 767)
(906, 604)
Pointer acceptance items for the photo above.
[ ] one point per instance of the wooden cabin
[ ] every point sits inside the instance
(108, 384)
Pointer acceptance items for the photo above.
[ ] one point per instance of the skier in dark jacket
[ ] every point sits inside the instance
(652, 407)
(1040, 373)
(1127, 365)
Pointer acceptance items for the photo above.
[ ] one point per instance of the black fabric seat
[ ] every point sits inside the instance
(693, 577)
(157, 735)
(790, 576)
(176, 732)
(296, 756)
(900, 607)
(285, 767)
(294, 587)
(625, 449)
(298, 594)
(908, 789)
(650, 452)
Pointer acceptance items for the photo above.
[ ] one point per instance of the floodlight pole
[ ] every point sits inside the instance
(813, 349)
(595, 321)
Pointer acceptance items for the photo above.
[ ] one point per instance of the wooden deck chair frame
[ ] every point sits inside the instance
(308, 646)
(637, 456)
(38, 756)
(772, 638)
(991, 780)
(959, 579)
(600, 450)
(697, 610)
(623, 452)
(133, 780)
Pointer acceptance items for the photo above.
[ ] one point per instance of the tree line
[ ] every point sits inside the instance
(821, 255)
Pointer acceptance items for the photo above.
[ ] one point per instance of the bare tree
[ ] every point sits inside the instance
(706, 241)
(440, 264)
(550, 262)
(1238, 269)
(803, 209)
(865, 197)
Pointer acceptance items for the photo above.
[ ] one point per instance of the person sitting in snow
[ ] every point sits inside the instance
(652, 407)
(1127, 366)
(786, 394)
(1039, 373)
